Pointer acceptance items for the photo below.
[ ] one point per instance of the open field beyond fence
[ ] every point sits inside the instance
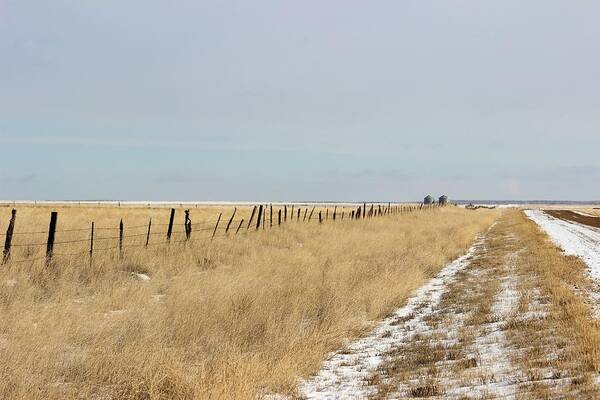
(45, 233)
(212, 318)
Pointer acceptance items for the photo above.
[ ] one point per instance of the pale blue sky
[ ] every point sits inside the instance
(305, 100)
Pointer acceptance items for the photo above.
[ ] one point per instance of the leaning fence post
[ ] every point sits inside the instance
(260, 214)
(170, 229)
(239, 226)
(51, 236)
(216, 226)
(148, 235)
(311, 214)
(305, 211)
(9, 235)
(230, 220)
(251, 217)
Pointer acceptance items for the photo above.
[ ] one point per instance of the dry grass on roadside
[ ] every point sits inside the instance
(572, 333)
(440, 358)
(227, 319)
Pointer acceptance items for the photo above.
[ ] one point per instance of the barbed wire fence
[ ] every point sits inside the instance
(103, 239)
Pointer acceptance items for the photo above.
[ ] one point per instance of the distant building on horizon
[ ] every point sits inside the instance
(428, 200)
(443, 200)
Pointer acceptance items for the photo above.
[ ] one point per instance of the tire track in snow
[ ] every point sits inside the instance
(491, 347)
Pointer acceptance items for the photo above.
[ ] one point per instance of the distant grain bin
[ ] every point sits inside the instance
(428, 200)
(443, 200)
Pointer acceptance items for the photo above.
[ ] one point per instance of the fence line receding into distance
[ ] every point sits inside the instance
(99, 239)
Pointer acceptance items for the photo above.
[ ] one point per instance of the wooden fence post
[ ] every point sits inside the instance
(305, 211)
(251, 217)
(92, 244)
(121, 231)
(51, 236)
(327, 215)
(264, 218)
(298, 219)
(9, 235)
(311, 214)
(285, 213)
(148, 235)
(320, 217)
(170, 229)
(271, 216)
(279, 217)
(216, 226)
(334, 212)
(364, 211)
(260, 214)
(230, 220)
(239, 226)
(352, 214)
(188, 225)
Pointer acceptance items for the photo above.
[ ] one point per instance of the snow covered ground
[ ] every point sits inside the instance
(575, 239)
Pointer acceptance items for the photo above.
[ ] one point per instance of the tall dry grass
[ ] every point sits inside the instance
(565, 280)
(231, 318)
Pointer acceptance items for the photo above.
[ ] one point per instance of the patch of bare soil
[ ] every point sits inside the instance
(568, 215)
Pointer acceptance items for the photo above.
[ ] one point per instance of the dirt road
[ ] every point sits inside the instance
(507, 320)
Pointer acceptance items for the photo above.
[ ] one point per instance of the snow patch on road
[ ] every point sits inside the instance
(493, 347)
(575, 239)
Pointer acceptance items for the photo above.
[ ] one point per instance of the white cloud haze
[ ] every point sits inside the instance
(270, 100)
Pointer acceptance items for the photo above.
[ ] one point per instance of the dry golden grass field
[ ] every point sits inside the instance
(236, 317)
